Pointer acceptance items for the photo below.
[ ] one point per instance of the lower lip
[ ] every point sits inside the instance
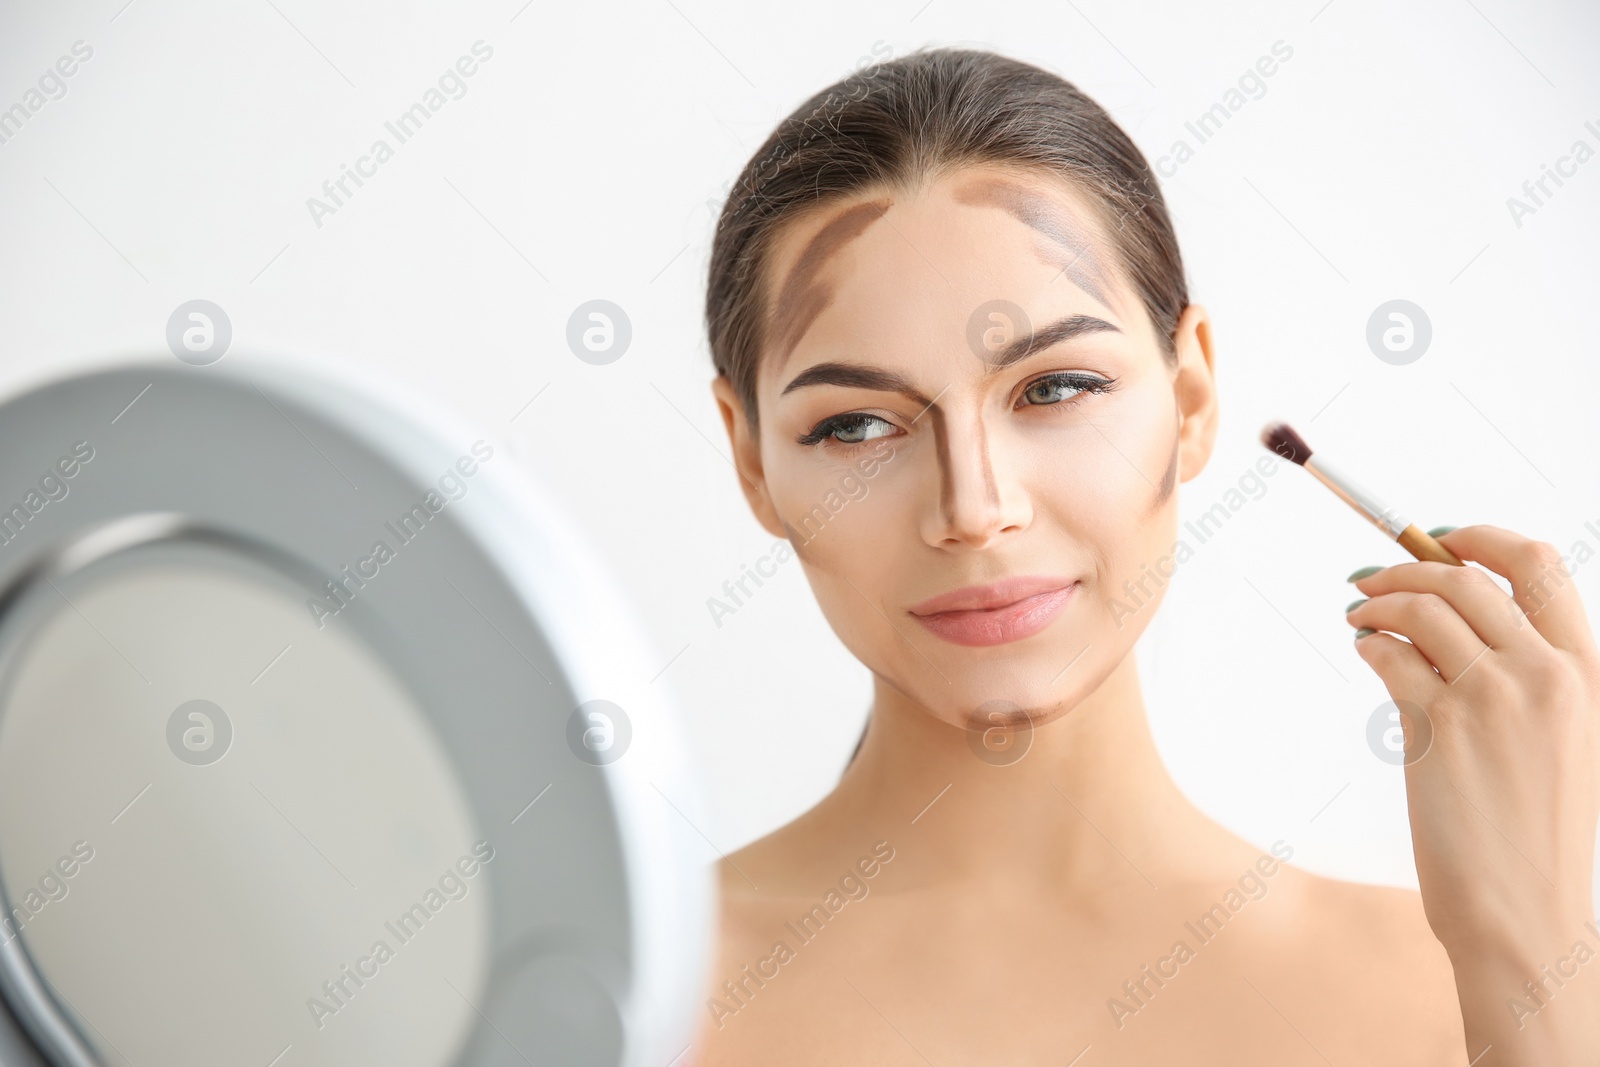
(999, 626)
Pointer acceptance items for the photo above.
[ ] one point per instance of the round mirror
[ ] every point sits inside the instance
(321, 742)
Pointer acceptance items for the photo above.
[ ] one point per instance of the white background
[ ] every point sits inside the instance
(587, 159)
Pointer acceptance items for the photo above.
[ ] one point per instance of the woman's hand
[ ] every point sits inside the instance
(1500, 702)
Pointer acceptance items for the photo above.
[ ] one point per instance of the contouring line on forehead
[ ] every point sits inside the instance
(1039, 212)
(800, 301)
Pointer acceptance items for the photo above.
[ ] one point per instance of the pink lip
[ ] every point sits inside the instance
(1008, 610)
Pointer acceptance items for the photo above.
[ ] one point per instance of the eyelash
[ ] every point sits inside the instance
(824, 430)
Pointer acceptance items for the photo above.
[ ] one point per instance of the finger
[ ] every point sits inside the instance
(1492, 616)
(1430, 623)
(1405, 673)
(1540, 581)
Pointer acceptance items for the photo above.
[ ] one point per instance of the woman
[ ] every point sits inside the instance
(960, 372)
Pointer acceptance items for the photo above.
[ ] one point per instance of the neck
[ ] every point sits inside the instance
(1089, 801)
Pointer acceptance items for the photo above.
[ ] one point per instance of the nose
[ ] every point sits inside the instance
(981, 498)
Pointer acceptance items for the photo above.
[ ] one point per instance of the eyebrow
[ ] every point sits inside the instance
(856, 376)
(1039, 212)
(1065, 329)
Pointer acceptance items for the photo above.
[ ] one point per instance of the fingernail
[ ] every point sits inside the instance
(1364, 572)
(1354, 604)
(1440, 531)
(1364, 632)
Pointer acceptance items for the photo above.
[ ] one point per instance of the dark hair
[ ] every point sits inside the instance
(898, 122)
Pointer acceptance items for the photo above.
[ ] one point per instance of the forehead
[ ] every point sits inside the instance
(1051, 216)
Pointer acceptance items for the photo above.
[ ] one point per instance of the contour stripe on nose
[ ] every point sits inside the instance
(947, 487)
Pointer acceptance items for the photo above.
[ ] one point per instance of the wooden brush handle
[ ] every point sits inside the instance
(1420, 545)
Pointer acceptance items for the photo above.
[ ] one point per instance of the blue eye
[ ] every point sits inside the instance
(1054, 388)
(850, 429)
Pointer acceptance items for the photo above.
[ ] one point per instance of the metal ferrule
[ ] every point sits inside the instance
(1382, 515)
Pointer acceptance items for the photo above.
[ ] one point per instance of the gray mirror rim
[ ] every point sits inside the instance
(532, 550)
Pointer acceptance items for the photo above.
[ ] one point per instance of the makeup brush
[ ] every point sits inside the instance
(1280, 438)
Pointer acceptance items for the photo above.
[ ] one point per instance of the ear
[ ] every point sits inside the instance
(1195, 387)
(746, 455)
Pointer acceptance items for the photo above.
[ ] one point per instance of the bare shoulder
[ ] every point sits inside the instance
(763, 882)
(747, 898)
(1374, 943)
(740, 929)
(1377, 920)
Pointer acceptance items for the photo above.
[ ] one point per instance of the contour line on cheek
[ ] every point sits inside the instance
(796, 541)
(800, 301)
(1169, 480)
(1039, 212)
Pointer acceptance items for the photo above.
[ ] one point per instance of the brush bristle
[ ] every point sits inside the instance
(1279, 438)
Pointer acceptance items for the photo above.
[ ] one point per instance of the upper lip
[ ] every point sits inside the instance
(987, 597)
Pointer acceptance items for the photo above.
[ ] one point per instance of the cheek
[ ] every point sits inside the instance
(1113, 487)
(839, 518)
(1114, 468)
(851, 548)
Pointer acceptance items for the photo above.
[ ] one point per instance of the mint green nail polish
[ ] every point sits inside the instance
(1364, 632)
(1440, 531)
(1364, 572)
(1354, 604)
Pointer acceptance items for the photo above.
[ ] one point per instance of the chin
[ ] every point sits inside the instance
(1032, 688)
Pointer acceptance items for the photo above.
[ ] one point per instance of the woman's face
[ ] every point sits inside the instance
(970, 435)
